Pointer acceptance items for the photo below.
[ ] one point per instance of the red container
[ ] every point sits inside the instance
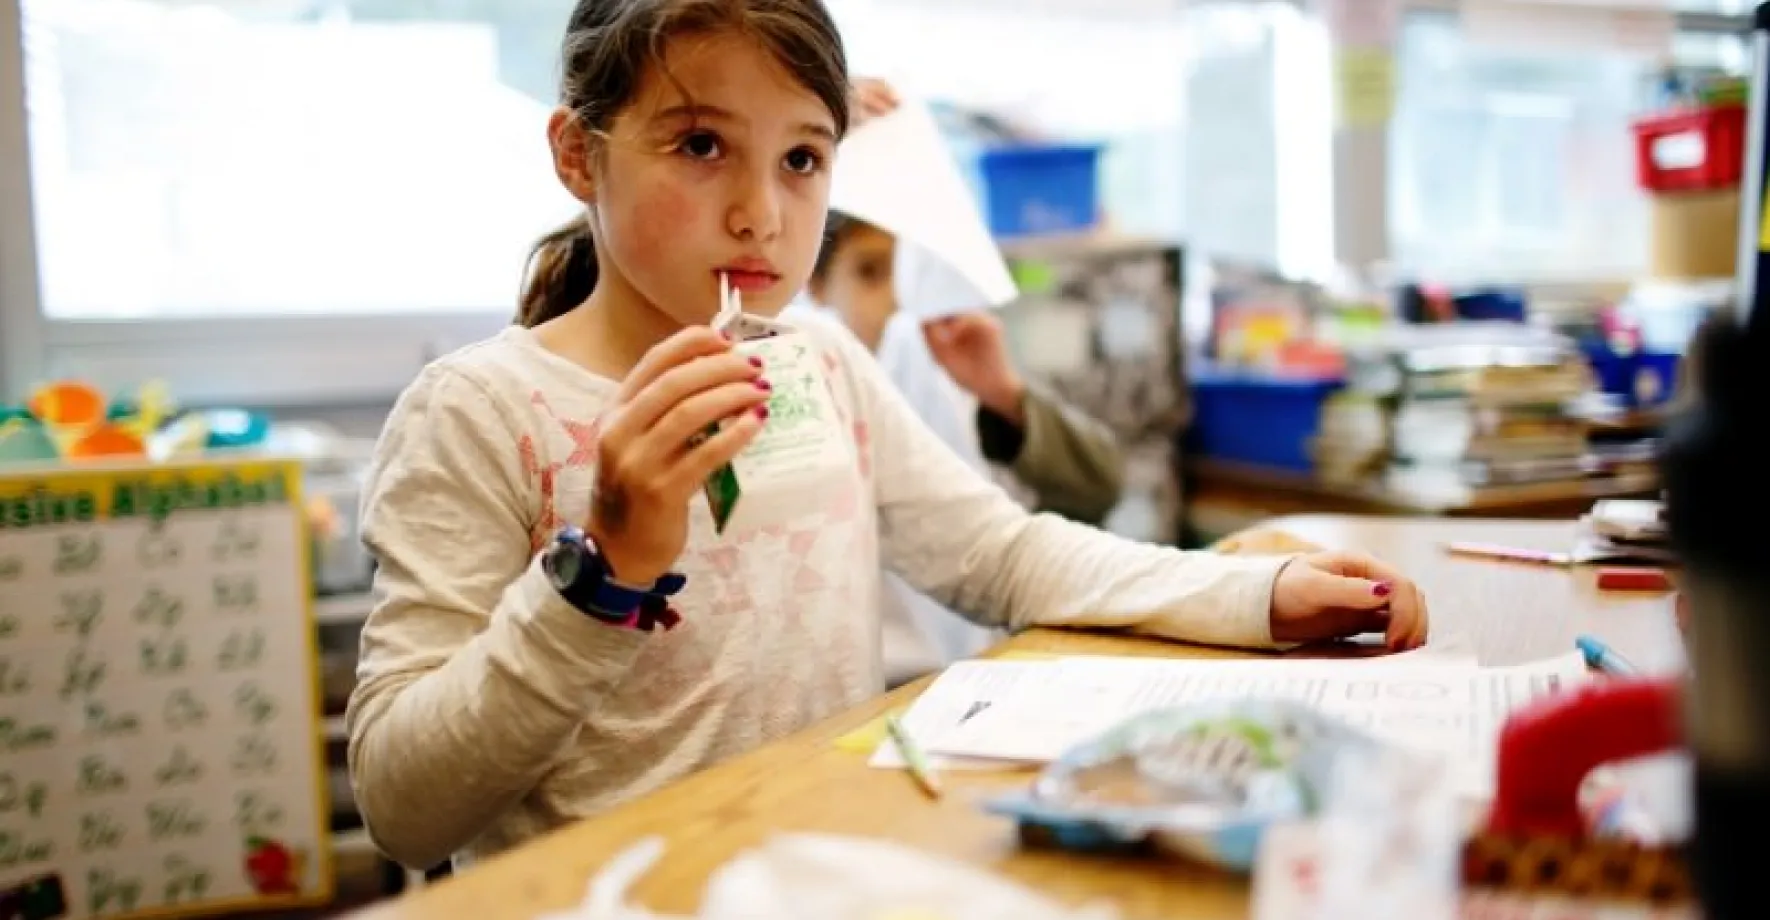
(1689, 150)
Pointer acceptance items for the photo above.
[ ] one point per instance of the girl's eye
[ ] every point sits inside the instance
(803, 160)
(701, 145)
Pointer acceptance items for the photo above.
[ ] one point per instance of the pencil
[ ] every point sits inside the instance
(1511, 553)
(913, 756)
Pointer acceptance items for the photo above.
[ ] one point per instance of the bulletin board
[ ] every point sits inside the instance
(160, 744)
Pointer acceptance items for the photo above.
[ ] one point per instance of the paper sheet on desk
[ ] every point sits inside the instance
(970, 687)
(963, 690)
(897, 172)
(1453, 710)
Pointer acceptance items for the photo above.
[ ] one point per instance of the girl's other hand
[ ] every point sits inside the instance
(1333, 595)
(655, 452)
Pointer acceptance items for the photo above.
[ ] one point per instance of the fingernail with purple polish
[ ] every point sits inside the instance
(1382, 589)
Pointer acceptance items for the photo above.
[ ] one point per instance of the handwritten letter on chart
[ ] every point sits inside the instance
(158, 742)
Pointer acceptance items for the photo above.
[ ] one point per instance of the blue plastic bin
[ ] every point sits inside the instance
(1039, 189)
(1642, 379)
(1246, 417)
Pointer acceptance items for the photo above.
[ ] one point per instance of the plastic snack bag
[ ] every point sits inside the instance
(1392, 836)
(1204, 781)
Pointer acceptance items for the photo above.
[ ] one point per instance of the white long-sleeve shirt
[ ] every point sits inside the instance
(920, 635)
(917, 634)
(489, 711)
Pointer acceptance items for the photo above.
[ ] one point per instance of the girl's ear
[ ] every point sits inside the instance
(571, 154)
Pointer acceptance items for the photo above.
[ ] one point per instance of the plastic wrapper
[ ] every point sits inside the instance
(1392, 838)
(1202, 781)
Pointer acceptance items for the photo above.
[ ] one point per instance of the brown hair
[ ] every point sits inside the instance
(837, 227)
(609, 45)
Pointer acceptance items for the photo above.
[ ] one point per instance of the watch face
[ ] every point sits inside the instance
(567, 563)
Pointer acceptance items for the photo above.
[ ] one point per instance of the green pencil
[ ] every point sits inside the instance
(912, 755)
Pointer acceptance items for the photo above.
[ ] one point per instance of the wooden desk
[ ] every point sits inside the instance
(1225, 497)
(1511, 612)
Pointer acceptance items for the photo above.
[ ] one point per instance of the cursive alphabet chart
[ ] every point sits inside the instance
(160, 747)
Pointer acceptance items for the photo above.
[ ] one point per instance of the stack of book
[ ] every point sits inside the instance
(1477, 415)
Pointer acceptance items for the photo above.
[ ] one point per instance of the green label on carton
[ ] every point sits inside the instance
(722, 495)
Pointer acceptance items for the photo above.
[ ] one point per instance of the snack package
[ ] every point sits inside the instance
(803, 445)
(1392, 832)
(1204, 781)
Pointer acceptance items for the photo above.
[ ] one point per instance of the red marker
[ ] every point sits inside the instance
(1624, 579)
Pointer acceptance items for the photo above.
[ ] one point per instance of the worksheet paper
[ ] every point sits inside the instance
(960, 692)
(1449, 710)
(967, 688)
(898, 173)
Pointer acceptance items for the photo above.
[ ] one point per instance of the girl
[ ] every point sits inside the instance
(532, 494)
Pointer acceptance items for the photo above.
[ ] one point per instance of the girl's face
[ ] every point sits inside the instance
(720, 165)
(857, 281)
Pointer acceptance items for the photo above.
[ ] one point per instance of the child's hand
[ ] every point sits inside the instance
(973, 350)
(651, 456)
(869, 98)
(1262, 541)
(1333, 595)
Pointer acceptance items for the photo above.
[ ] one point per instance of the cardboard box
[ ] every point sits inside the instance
(1695, 234)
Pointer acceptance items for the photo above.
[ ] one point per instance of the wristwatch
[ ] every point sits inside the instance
(582, 576)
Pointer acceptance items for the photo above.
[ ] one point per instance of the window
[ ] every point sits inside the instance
(1216, 130)
(280, 174)
(353, 158)
(1061, 68)
(1514, 164)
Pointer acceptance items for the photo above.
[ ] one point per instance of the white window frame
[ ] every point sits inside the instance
(368, 358)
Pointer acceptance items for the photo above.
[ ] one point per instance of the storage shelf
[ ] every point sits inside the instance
(343, 608)
(353, 842)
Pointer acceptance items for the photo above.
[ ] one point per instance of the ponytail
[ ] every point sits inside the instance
(561, 273)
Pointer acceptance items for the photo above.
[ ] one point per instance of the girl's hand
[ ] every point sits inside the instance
(1333, 595)
(653, 453)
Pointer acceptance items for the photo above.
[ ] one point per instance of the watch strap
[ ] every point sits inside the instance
(596, 592)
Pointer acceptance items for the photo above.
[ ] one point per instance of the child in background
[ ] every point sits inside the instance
(534, 496)
(957, 374)
(1071, 462)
